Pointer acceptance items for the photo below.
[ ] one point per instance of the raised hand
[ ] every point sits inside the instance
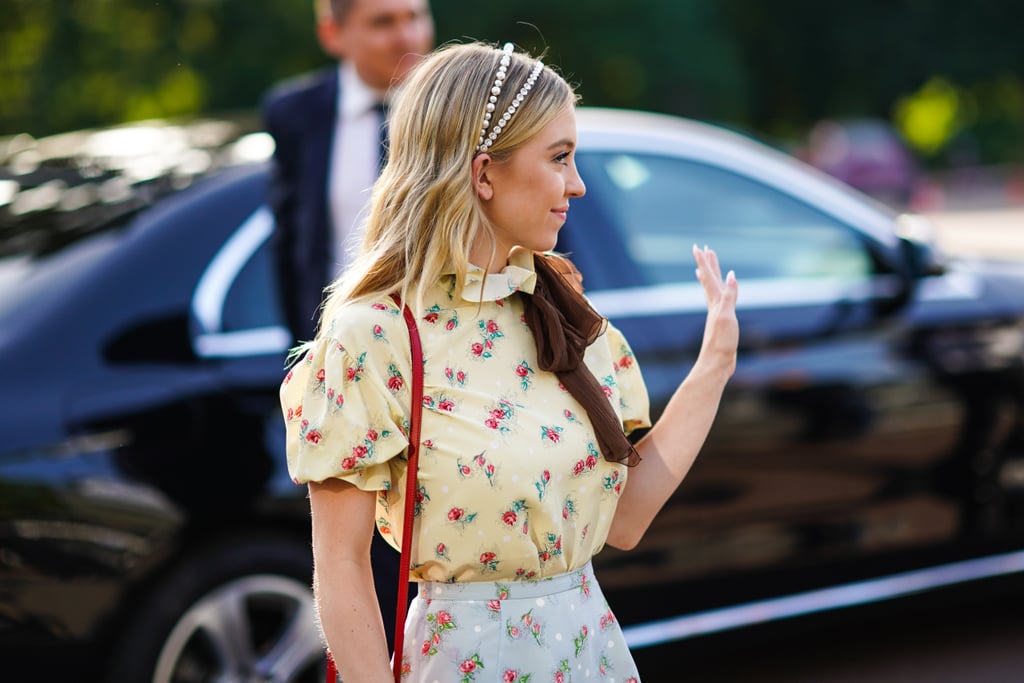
(721, 329)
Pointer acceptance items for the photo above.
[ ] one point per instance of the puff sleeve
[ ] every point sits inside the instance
(634, 403)
(345, 405)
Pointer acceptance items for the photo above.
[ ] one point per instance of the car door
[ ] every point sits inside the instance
(825, 436)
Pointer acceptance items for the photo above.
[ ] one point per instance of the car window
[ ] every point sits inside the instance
(252, 300)
(660, 206)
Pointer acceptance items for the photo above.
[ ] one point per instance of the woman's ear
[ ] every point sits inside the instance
(482, 166)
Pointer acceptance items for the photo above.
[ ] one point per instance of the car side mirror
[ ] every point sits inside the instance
(923, 259)
(921, 253)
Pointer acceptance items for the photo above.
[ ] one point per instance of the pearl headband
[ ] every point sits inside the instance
(487, 139)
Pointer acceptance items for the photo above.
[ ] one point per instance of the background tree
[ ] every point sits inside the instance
(950, 75)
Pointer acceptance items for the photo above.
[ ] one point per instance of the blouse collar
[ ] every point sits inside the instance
(517, 276)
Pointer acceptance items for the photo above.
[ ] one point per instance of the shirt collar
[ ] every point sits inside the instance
(355, 97)
(518, 276)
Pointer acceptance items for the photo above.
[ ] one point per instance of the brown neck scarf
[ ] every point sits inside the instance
(564, 325)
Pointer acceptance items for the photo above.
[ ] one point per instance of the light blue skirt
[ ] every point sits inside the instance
(558, 629)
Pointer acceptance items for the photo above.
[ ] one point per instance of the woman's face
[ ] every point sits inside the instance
(526, 197)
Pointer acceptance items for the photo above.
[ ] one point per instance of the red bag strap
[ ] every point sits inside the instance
(413, 454)
(415, 416)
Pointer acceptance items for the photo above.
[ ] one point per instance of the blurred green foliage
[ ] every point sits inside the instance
(769, 68)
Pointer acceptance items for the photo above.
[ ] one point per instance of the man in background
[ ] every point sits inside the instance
(327, 127)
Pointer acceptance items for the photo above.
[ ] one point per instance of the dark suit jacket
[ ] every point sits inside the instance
(300, 115)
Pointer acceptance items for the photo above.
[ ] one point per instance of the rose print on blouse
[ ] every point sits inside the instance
(587, 464)
(335, 399)
(435, 314)
(569, 508)
(421, 500)
(516, 516)
(440, 623)
(607, 382)
(525, 374)
(354, 373)
(612, 483)
(500, 416)
(365, 449)
(308, 434)
(441, 552)
(570, 416)
(552, 548)
(489, 333)
(489, 562)
(383, 526)
(443, 403)
(542, 484)
(562, 673)
(551, 434)
(626, 360)
(455, 378)
(512, 676)
(395, 381)
(525, 574)
(393, 311)
(479, 466)
(460, 518)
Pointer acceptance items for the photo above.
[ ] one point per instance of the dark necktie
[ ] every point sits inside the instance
(382, 112)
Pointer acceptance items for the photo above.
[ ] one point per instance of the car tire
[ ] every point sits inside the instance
(238, 609)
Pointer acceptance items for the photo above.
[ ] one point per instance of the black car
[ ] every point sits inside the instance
(870, 444)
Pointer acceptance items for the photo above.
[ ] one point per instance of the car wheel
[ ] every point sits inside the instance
(238, 611)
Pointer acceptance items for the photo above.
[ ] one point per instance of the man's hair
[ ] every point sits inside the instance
(332, 9)
(424, 212)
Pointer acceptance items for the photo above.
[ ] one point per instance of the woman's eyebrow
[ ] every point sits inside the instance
(563, 143)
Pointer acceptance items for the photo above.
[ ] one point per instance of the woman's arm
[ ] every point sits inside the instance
(343, 521)
(670, 447)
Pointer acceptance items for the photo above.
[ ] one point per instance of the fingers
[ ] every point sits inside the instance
(709, 274)
(732, 290)
(707, 264)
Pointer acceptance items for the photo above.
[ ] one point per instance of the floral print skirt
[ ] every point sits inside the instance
(558, 629)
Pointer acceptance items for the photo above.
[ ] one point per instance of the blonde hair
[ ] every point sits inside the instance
(424, 212)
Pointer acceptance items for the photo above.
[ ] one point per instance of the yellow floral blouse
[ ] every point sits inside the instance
(511, 483)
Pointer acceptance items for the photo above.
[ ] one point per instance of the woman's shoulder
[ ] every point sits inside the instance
(365, 321)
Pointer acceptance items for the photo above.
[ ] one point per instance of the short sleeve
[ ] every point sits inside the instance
(345, 411)
(634, 403)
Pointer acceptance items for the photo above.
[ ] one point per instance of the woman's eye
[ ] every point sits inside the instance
(562, 157)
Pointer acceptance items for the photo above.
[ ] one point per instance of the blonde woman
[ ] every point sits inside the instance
(525, 469)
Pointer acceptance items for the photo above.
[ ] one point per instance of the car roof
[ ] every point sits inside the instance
(621, 130)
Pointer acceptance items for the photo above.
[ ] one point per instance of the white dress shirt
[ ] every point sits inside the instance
(354, 161)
